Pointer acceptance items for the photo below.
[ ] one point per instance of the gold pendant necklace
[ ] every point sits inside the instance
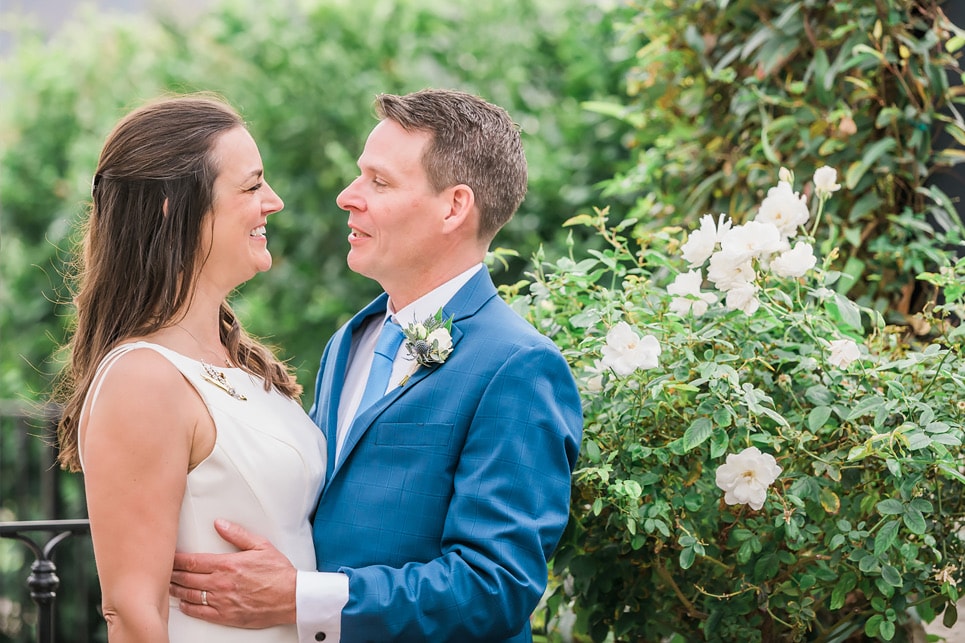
(217, 378)
(227, 362)
(210, 374)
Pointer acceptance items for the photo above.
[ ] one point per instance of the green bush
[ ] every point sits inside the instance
(849, 507)
(722, 91)
(305, 79)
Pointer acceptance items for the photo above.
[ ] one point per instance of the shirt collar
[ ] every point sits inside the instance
(429, 304)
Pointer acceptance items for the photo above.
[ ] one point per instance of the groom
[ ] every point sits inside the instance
(447, 494)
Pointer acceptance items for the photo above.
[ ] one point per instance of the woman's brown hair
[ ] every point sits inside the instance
(141, 252)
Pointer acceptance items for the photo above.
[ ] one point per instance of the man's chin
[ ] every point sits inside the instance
(358, 265)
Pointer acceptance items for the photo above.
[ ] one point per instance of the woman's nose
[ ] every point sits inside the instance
(273, 203)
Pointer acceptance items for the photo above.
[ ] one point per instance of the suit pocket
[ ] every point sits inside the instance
(414, 434)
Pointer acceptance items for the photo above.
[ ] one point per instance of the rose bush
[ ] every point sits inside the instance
(763, 458)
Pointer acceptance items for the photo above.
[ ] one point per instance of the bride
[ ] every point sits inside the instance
(175, 415)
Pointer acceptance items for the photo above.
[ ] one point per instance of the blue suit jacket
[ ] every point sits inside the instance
(451, 492)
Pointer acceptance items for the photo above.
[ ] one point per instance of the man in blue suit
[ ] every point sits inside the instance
(447, 494)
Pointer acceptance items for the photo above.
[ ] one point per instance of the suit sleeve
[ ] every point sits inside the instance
(510, 504)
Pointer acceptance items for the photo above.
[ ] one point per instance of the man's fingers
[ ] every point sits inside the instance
(195, 563)
(209, 563)
(238, 535)
(188, 587)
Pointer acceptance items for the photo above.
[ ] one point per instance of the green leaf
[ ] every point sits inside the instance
(580, 219)
(817, 417)
(687, 557)
(830, 501)
(873, 625)
(866, 406)
(948, 439)
(848, 310)
(767, 566)
(950, 617)
(891, 576)
(914, 520)
(698, 431)
(842, 588)
(886, 537)
(870, 158)
(951, 472)
(887, 630)
(890, 507)
(719, 441)
(868, 564)
(591, 450)
(597, 506)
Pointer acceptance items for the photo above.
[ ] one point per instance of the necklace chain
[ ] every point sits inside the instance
(227, 362)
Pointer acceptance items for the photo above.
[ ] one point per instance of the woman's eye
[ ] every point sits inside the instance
(255, 187)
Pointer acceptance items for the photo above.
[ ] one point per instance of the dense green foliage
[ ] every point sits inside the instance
(723, 91)
(865, 519)
(305, 79)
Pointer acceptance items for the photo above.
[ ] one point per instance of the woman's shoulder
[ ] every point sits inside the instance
(140, 367)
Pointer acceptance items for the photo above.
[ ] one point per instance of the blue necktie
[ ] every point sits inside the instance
(385, 349)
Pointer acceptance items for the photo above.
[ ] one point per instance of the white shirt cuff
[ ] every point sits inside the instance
(319, 599)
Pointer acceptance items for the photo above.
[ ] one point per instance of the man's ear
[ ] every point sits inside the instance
(462, 207)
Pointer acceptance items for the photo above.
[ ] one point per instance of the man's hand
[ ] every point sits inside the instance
(253, 588)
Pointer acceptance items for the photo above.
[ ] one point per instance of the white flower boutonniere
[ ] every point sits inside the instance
(428, 343)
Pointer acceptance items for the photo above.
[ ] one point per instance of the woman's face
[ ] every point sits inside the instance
(234, 238)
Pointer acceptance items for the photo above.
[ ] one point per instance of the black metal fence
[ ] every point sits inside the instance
(48, 584)
(43, 581)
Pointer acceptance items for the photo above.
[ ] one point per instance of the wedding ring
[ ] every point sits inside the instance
(204, 597)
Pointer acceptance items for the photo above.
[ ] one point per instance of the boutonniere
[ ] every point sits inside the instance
(428, 343)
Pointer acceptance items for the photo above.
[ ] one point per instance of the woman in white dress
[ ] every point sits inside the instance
(175, 415)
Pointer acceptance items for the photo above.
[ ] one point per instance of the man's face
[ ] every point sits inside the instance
(395, 216)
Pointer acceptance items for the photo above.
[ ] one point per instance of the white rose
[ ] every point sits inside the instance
(745, 477)
(441, 342)
(729, 270)
(418, 330)
(702, 242)
(843, 352)
(754, 239)
(625, 351)
(689, 297)
(743, 298)
(824, 181)
(796, 262)
(784, 208)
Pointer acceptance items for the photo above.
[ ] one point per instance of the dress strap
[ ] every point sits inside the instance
(109, 360)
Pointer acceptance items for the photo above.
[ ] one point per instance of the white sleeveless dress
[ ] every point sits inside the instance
(264, 473)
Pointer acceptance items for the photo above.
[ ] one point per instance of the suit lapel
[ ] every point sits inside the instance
(333, 380)
(465, 303)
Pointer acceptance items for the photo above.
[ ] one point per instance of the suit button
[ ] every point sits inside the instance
(319, 636)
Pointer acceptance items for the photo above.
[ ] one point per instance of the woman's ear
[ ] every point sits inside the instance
(164, 206)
